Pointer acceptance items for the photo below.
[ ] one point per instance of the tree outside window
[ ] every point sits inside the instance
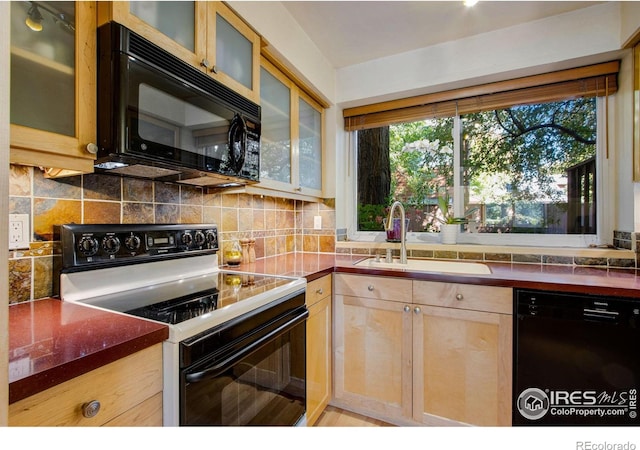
(524, 169)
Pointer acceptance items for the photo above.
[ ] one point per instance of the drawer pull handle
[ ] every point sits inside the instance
(91, 409)
(370, 287)
(319, 291)
(407, 308)
(417, 310)
(459, 297)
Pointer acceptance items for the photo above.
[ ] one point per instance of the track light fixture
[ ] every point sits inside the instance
(34, 18)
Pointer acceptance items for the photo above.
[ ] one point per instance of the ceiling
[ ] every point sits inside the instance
(352, 32)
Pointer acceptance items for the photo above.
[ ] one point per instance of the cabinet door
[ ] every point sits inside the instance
(310, 145)
(372, 357)
(180, 27)
(53, 84)
(233, 48)
(122, 388)
(318, 359)
(462, 366)
(292, 145)
(275, 138)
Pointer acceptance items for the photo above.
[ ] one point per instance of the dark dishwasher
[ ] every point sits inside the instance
(575, 360)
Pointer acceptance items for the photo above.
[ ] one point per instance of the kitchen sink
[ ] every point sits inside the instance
(427, 265)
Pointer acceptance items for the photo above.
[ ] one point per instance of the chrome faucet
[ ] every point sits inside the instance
(403, 239)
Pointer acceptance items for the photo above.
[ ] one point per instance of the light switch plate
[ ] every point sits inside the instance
(317, 222)
(18, 231)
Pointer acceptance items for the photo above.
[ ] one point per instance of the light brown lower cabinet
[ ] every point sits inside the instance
(399, 358)
(318, 301)
(128, 390)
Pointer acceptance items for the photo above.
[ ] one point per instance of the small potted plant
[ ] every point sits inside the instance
(450, 223)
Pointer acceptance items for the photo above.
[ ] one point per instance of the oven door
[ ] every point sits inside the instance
(250, 371)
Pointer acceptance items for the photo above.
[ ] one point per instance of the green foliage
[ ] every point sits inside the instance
(511, 157)
(529, 145)
(371, 217)
(421, 160)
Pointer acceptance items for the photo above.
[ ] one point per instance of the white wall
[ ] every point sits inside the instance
(288, 40)
(540, 46)
(582, 37)
(630, 20)
(630, 26)
(621, 145)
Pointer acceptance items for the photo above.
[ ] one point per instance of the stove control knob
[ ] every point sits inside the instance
(132, 243)
(88, 246)
(212, 239)
(199, 238)
(187, 239)
(111, 244)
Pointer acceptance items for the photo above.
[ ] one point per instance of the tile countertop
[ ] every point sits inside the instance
(565, 278)
(51, 341)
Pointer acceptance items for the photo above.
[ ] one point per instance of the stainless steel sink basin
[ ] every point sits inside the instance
(427, 265)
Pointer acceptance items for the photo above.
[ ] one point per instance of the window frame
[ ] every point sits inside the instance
(605, 198)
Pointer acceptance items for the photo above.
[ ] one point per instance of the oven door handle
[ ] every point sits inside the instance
(214, 371)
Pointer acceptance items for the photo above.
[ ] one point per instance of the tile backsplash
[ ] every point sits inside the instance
(278, 225)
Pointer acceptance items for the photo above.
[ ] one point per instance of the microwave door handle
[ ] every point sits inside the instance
(215, 370)
(237, 133)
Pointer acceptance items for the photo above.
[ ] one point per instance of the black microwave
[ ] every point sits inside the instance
(160, 118)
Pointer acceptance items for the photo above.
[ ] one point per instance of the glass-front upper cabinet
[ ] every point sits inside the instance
(179, 27)
(275, 136)
(310, 143)
(291, 145)
(235, 55)
(207, 35)
(53, 87)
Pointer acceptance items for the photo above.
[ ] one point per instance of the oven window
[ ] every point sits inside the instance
(267, 387)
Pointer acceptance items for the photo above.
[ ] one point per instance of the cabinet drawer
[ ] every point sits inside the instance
(380, 288)
(146, 414)
(118, 386)
(464, 296)
(318, 289)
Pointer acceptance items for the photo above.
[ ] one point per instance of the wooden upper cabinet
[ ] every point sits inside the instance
(53, 87)
(292, 146)
(233, 51)
(178, 27)
(207, 35)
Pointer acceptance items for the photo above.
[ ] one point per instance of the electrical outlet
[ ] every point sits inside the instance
(317, 222)
(18, 231)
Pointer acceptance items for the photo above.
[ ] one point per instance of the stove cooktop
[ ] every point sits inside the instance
(163, 272)
(226, 289)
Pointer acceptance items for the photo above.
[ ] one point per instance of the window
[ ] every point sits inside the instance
(531, 168)
(526, 166)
